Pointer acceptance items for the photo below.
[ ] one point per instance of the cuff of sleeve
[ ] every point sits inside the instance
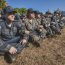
(8, 47)
(26, 37)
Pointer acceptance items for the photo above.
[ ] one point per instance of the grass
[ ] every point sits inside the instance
(51, 52)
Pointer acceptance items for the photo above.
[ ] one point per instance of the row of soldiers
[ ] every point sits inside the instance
(17, 30)
(40, 26)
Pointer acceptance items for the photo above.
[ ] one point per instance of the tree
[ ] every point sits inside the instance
(2, 4)
(21, 10)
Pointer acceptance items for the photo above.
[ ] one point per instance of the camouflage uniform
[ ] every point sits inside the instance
(43, 32)
(58, 16)
(11, 36)
(60, 22)
(46, 23)
(63, 19)
(32, 27)
(55, 26)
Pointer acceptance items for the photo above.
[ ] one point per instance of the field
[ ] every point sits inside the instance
(51, 52)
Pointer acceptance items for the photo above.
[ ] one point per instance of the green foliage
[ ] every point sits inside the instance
(2, 4)
(21, 10)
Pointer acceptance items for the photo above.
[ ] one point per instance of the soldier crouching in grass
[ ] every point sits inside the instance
(12, 40)
(31, 26)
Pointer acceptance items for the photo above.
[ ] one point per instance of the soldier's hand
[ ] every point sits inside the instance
(41, 26)
(27, 32)
(40, 30)
(12, 50)
(23, 41)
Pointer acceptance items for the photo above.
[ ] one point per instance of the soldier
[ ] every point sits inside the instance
(46, 21)
(41, 31)
(55, 25)
(17, 17)
(38, 17)
(58, 16)
(31, 26)
(12, 36)
(63, 18)
(23, 17)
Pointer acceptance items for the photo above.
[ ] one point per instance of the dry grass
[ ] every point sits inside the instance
(51, 52)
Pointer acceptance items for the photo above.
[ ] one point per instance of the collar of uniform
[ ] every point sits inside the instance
(7, 25)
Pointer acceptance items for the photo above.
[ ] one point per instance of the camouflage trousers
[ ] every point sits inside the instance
(13, 42)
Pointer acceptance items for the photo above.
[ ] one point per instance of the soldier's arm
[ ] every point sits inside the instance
(22, 29)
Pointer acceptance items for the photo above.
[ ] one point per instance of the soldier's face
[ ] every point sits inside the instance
(10, 16)
(39, 16)
(32, 15)
(49, 15)
(57, 14)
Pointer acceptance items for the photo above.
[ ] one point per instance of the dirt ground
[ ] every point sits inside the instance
(51, 52)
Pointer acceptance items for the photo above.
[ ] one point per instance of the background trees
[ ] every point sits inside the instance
(2, 4)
